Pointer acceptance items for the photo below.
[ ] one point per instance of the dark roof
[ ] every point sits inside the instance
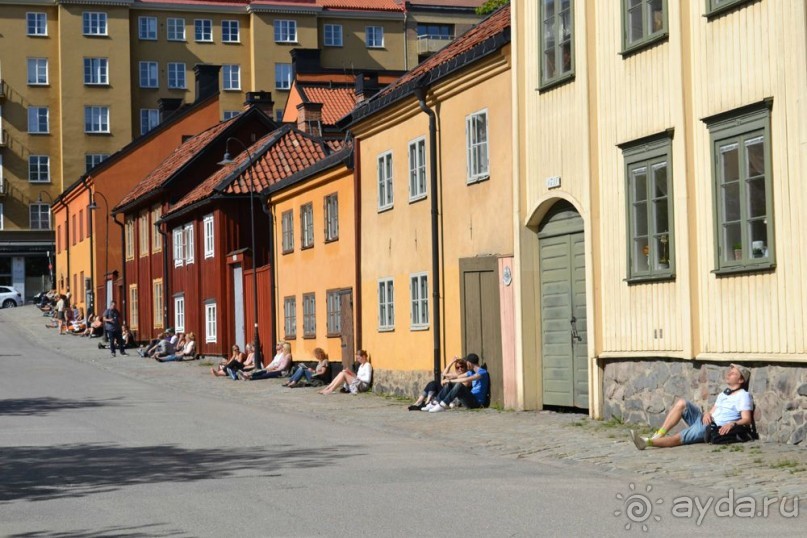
(336, 101)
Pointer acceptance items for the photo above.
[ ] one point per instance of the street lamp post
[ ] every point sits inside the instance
(93, 206)
(227, 160)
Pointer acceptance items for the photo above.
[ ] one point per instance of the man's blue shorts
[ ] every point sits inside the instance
(693, 416)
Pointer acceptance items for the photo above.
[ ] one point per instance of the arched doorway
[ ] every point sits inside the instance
(562, 285)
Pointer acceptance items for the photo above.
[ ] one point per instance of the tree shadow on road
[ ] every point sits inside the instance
(37, 473)
(45, 405)
(152, 529)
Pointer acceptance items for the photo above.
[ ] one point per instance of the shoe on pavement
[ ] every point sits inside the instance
(416, 407)
(123, 353)
(428, 406)
(113, 355)
(437, 409)
(639, 441)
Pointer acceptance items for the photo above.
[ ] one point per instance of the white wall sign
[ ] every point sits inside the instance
(553, 182)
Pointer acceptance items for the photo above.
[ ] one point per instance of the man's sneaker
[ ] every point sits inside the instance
(123, 353)
(437, 409)
(429, 405)
(640, 442)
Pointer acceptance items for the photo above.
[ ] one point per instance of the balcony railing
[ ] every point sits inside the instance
(429, 44)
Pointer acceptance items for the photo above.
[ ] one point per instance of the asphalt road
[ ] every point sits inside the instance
(86, 451)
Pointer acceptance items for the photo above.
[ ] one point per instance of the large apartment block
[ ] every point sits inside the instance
(79, 79)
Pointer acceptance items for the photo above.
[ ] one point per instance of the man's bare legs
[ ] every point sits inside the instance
(660, 440)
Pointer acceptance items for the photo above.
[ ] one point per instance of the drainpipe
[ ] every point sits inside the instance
(420, 94)
(406, 41)
(123, 299)
(166, 280)
(265, 201)
(357, 299)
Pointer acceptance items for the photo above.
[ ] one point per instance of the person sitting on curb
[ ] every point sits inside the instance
(188, 350)
(433, 387)
(310, 374)
(455, 388)
(353, 383)
(277, 368)
(232, 364)
(733, 407)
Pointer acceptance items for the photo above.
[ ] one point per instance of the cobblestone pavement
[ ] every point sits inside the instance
(758, 469)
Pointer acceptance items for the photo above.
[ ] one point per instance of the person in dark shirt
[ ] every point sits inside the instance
(113, 328)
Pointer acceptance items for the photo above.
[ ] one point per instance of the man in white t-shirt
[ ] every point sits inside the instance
(734, 407)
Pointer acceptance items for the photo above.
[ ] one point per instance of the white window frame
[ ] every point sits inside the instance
(91, 160)
(203, 30)
(38, 120)
(229, 114)
(188, 243)
(309, 315)
(147, 28)
(175, 29)
(134, 307)
(94, 23)
(179, 313)
(37, 71)
(39, 169)
(96, 71)
(96, 119)
(210, 323)
(156, 236)
(143, 234)
(419, 301)
(157, 294)
(477, 150)
(209, 233)
(332, 35)
(331, 203)
(417, 169)
(285, 31)
(176, 76)
(290, 316)
(374, 37)
(149, 119)
(282, 76)
(178, 240)
(128, 238)
(36, 24)
(231, 74)
(384, 176)
(307, 225)
(1, 208)
(39, 214)
(386, 304)
(287, 230)
(228, 28)
(148, 74)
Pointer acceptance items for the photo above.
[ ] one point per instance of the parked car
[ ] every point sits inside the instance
(9, 297)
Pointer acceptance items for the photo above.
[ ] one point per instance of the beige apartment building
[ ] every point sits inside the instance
(80, 79)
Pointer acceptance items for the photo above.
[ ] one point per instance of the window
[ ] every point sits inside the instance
(419, 297)
(149, 119)
(307, 226)
(210, 322)
(188, 243)
(442, 32)
(333, 35)
(1, 218)
(232, 76)
(134, 309)
(374, 37)
(96, 71)
(743, 189)
(73, 230)
(228, 114)
(385, 181)
(179, 313)
(417, 169)
(287, 226)
(203, 30)
(309, 315)
(156, 236)
(334, 300)
(128, 229)
(143, 233)
(229, 31)
(176, 75)
(282, 76)
(331, 217)
(715, 7)
(39, 216)
(149, 75)
(645, 21)
(290, 316)
(94, 23)
(285, 31)
(81, 227)
(208, 233)
(476, 144)
(557, 41)
(386, 305)
(179, 246)
(37, 71)
(38, 120)
(157, 296)
(37, 24)
(38, 168)
(650, 214)
(96, 119)
(91, 160)
(175, 29)
(147, 28)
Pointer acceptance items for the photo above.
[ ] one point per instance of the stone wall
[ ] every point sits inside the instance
(641, 392)
(401, 383)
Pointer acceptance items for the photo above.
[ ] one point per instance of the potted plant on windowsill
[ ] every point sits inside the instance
(738, 251)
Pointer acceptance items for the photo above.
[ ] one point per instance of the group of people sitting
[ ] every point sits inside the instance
(169, 346)
(463, 382)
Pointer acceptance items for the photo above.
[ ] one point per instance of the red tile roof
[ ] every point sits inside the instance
(353, 5)
(336, 102)
(363, 5)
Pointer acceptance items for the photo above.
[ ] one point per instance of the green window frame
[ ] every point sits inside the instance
(644, 22)
(717, 7)
(556, 41)
(649, 208)
(742, 183)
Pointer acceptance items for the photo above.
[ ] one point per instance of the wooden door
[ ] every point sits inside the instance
(238, 311)
(346, 327)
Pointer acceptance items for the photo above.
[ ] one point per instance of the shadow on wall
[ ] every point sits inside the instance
(152, 529)
(43, 406)
(37, 473)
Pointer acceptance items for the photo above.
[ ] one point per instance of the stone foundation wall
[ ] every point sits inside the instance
(401, 383)
(641, 391)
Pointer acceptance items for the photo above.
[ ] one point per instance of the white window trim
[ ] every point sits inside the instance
(228, 79)
(38, 166)
(333, 43)
(2, 226)
(188, 243)
(389, 200)
(178, 236)
(36, 15)
(152, 74)
(332, 217)
(180, 70)
(290, 321)
(474, 176)
(159, 319)
(97, 70)
(283, 79)
(209, 232)
(101, 16)
(37, 61)
(36, 129)
(210, 323)
(179, 313)
(291, 30)
(307, 225)
(383, 306)
(414, 168)
(287, 230)
(146, 37)
(149, 114)
(418, 325)
(92, 110)
(205, 24)
(229, 23)
(181, 27)
(367, 37)
(40, 213)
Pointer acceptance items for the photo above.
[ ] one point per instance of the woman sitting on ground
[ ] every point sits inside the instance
(433, 387)
(95, 327)
(277, 368)
(232, 364)
(317, 372)
(79, 324)
(188, 350)
(353, 382)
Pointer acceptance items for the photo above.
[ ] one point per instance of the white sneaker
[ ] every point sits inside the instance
(428, 406)
(640, 442)
(437, 409)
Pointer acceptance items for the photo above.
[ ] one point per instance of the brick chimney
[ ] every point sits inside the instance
(168, 106)
(262, 100)
(309, 118)
(207, 80)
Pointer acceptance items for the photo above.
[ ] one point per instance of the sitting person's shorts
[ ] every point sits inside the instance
(356, 386)
(696, 430)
